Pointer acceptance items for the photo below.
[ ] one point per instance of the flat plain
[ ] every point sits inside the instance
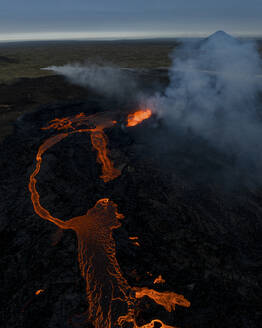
(24, 86)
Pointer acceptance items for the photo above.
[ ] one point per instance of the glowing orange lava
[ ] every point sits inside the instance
(39, 291)
(111, 300)
(159, 280)
(98, 138)
(135, 241)
(133, 238)
(166, 299)
(138, 117)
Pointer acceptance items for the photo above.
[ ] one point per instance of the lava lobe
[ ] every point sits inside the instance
(108, 292)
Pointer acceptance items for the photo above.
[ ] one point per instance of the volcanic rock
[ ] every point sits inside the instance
(203, 238)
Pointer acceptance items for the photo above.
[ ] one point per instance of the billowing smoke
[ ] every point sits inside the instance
(107, 80)
(213, 92)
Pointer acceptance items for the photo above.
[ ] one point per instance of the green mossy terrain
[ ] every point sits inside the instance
(27, 59)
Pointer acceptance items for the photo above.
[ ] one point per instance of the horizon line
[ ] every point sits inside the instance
(111, 36)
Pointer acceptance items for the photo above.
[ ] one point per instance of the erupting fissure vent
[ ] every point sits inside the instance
(108, 292)
(138, 117)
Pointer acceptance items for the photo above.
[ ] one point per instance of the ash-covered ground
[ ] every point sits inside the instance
(198, 219)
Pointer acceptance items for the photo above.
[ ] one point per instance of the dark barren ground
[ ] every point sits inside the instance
(204, 239)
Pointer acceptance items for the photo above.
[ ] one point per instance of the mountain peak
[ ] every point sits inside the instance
(221, 36)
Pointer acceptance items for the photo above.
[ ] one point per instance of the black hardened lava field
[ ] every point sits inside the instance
(195, 236)
(114, 216)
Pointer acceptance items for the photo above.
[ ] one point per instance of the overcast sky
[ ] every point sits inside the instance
(130, 18)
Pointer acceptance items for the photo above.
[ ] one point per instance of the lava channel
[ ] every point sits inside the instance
(111, 300)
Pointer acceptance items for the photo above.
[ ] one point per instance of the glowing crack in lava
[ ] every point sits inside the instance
(138, 117)
(111, 300)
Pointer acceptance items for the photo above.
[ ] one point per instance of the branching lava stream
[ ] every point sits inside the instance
(111, 300)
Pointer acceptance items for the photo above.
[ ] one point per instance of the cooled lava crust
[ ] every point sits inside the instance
(202, 237)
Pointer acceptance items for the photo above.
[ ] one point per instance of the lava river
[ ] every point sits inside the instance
(111, 300)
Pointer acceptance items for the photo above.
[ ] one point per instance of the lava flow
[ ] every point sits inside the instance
(98, 138)
(111, 300)
(159, 280)
(138, 117)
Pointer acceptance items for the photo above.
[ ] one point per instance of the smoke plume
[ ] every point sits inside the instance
(107, 80)
(214, 92)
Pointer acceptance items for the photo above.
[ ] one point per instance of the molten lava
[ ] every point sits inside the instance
(98, 138)
(111, 300)
(138, 117)
(166, 299)
(159, 280)
(133, 238)
(39, 291)
(135, 241)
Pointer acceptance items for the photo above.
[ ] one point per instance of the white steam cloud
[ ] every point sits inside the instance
(108, 80)
(213, 91)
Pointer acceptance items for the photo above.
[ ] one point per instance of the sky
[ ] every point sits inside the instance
(105, 19)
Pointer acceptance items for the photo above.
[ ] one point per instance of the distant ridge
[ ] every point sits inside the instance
(221, 36)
